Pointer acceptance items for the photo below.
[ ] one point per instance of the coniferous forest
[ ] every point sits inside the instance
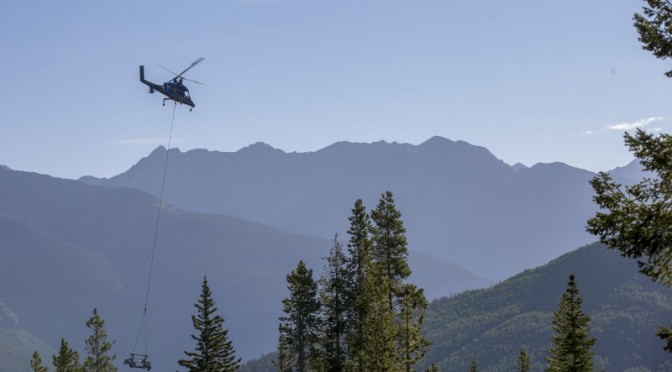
(357, 305)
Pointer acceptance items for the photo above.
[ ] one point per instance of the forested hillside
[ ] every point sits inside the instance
(16, 344)
(491, 325)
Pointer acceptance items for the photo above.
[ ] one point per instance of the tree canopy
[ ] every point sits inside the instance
(67, 359)
(571, 342)
(214, 351)
(636, 219)
(655, 28)
(98, 347)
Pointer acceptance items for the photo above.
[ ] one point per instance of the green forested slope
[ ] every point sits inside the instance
(17, 347)
(491, 325)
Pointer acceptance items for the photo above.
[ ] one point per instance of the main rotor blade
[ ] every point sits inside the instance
(191, 65)
(167, 70)
(193, 81)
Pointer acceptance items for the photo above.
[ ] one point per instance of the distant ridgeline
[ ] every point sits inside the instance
(459, 202)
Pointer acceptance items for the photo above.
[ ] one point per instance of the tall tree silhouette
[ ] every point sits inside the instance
(571, 342)
(214, 351)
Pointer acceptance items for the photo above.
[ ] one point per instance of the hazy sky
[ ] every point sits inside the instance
(533, 81)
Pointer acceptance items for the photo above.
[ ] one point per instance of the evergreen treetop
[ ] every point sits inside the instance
(359, 246)
(359, 265)
(571, 341)
(98, 347)
(67, 359)
(655, 29)
(524, 362)
(300, 326)
(36, 363)
(390, 249)
(214, 351)
(336, 284)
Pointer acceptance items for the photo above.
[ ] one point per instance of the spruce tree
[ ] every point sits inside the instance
(636, 219)
(412, 344)
(524, 363)
(571, 343)
(359, 263)
(655, 29)
(36, 363)
(214, 351)
(473, 367)
(389, 244)
(67, 359)
(378, 352)
(335, 286)
(98, 347)
(282, 363)
(300, 326)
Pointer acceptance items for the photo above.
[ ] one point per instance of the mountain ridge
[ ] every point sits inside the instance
(448, 191)
(77, 246)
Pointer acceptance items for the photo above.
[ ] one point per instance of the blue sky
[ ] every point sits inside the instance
(533, 81)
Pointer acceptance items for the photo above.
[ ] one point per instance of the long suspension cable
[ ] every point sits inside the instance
(156, 233)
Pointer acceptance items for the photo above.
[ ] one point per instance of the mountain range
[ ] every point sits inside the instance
(67, 247)
(459, 202)
(246, 218)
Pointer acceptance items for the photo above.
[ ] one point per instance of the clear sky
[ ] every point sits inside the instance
(533, 81)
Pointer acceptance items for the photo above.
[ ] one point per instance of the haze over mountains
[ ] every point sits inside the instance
(67, 247)
(459, 202)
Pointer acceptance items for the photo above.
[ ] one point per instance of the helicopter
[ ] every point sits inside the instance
(173, 89)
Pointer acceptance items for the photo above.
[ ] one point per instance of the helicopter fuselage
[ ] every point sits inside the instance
(173, 90)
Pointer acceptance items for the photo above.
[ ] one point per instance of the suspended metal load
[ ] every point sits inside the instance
(140, 361)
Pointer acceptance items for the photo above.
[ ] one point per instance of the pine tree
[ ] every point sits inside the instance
(635, 219)
(655, 29)
(378, 351)
(524, 363)
(412, 344)
(300, 326)
(97, 346)
(335, 286)
(389, 244)
(359, 263)
(214, 351)
(473, 367)
(67, 359)
(571, 343)
(282, 363)
(36, 363)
